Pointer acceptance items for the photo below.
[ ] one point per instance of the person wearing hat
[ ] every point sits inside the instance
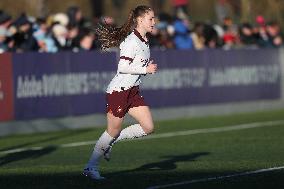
(24, 39)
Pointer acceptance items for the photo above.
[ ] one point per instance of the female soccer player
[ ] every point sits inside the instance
(123, 91)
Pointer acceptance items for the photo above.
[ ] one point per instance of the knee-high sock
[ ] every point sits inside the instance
(130, 132)
(101, 145)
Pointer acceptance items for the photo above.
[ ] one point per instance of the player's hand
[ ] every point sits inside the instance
(151, 68)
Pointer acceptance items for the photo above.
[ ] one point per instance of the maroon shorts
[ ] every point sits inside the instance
(118, 103)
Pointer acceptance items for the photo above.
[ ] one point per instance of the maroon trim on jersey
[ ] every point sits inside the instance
(140, 37)
(127, 58)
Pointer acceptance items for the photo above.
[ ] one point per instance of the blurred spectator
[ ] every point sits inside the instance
(260, 31)
(247, 37)
(3, 39)
(86, 39)
(5, 21)
(60, 36)
(154, 39)
(24, 39)
(275, 38)
(165, 40)
(211, 37)
(229, 38)
(230, 33)
(162, 41)
(72, 40)
(44, 37)
(182, 38)
(198, 36)
(161, 37)
(228, 24)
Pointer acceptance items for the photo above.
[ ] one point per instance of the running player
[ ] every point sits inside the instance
(123, 91)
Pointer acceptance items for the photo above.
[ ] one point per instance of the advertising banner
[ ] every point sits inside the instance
(66, 84)
(213, 76)
(6, 88)
(63, 84)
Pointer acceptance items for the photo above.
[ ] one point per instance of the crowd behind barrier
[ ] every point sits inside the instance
(71, 31)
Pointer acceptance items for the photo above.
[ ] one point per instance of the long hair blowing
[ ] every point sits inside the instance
(110, 36)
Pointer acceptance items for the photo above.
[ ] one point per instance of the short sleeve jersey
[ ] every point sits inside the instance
(134, 58)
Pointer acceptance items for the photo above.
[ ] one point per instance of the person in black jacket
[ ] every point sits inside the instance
(24, 39)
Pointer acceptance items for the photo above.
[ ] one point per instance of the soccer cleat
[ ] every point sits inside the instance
(107, 153)
(93, 173)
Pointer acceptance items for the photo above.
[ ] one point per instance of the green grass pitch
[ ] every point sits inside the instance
(153, 161)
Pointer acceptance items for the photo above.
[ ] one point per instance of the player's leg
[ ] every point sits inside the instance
(143, 116)
(114, 124)
(113, 129)
(139, 111)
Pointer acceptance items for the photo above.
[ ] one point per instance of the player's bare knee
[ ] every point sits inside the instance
(113, 132)
(113, 129)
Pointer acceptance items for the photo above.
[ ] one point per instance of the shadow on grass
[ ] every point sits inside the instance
(142, 180)
(170, 162)
(143, 175)
(152, 174)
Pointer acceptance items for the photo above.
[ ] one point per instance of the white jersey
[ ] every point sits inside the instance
(134, 58)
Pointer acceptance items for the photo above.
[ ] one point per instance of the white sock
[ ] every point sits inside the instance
(130, 132)
(98, 151)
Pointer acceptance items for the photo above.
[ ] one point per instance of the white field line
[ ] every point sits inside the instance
(164, 135)
(215, 178)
